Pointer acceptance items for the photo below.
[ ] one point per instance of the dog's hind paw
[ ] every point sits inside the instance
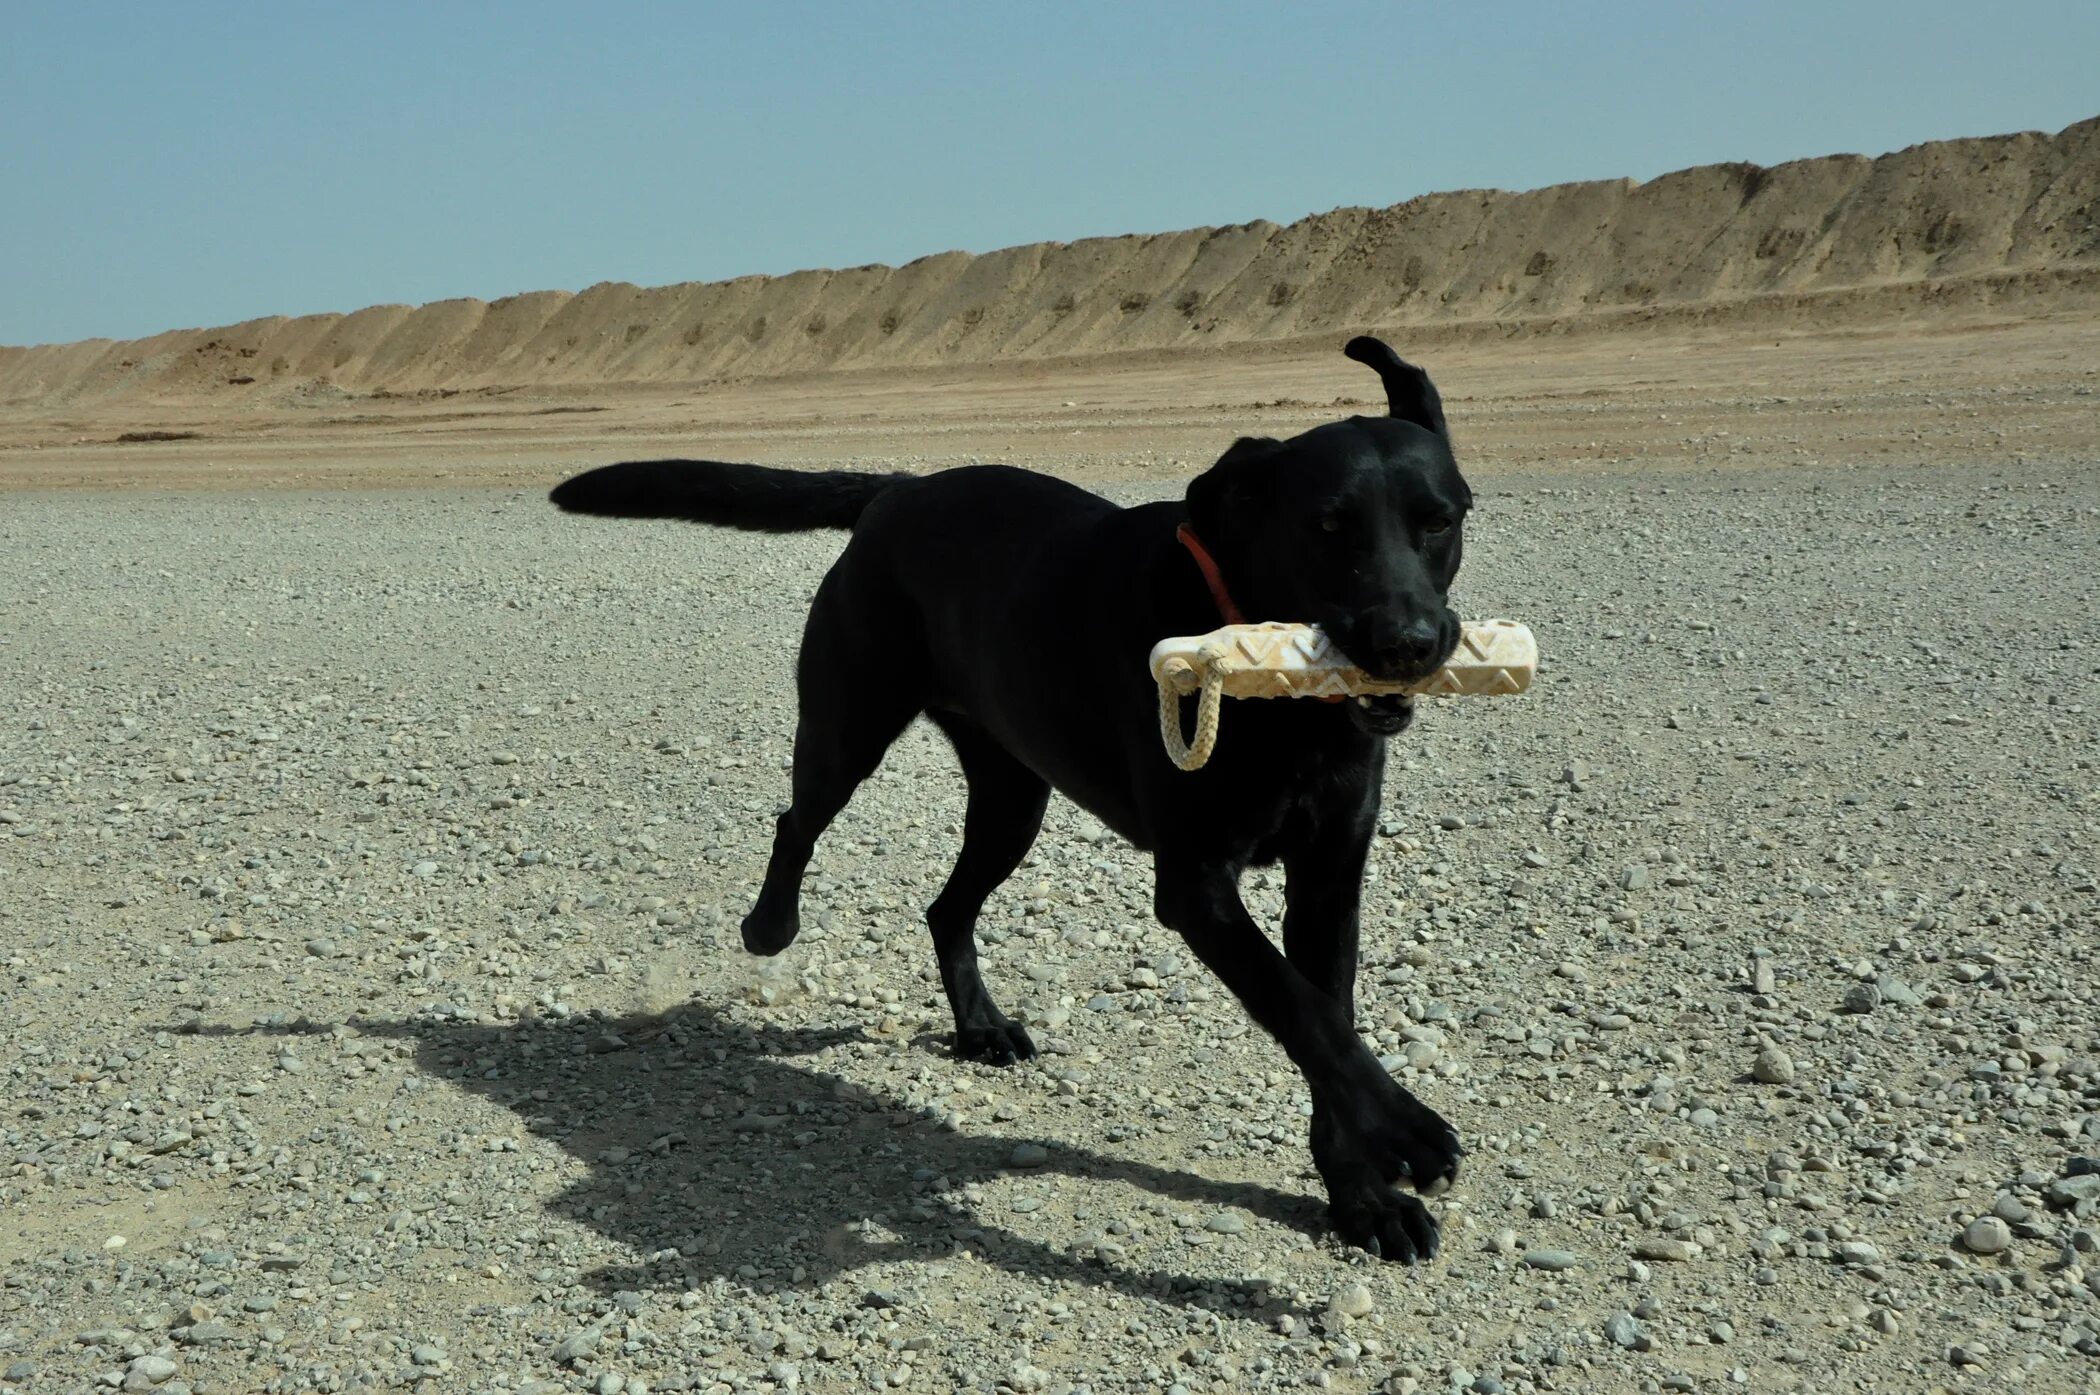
(999, 1043)
(1389, 1224)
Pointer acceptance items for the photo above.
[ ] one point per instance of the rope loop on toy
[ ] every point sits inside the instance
(1191, 755)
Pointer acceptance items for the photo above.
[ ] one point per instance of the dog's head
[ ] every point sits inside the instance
(1356, 526)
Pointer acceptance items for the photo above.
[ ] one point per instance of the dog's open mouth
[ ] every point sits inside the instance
(1385, 715)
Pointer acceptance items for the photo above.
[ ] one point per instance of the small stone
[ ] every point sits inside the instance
(206, 1333)
(1669, 1250)
(882, 1299)
(1987, 1235)
(427, 1354)
(1351, 1300)
(1029, 1155)
(1623, 1331)
(425, 869)
(1895, 990)
(1634, 878)
(1857, 1252)
(1762, 979)
(1862, 998)
(610, 1384)
(1772, 1067)
(1226, 1223)
(1552, 1261)
(2080, 1190)
(152, 1369)
(575, 1348)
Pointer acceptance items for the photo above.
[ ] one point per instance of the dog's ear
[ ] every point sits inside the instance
(1409, 394)
(1212, 494)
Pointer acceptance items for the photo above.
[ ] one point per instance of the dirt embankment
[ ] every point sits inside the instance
(1966, 223)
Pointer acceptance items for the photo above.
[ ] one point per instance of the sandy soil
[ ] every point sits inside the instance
(1582, 402)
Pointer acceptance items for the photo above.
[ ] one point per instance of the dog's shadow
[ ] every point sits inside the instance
(711, 1153)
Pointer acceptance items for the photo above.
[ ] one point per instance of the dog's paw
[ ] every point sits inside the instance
(999, 1043)
(1406, 1141)
(769, 932)
(1389, 1224)
(1434, 1158)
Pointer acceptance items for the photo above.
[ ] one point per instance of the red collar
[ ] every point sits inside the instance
(1208, 565)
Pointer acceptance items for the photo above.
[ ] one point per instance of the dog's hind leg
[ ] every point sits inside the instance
(855, 700)
(1005, 812)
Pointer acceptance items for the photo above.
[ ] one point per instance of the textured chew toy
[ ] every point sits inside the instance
(1280, 660)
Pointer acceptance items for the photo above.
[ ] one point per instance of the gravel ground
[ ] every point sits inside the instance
(369, 871)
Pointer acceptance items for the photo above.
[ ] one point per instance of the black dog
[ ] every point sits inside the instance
(945, 601)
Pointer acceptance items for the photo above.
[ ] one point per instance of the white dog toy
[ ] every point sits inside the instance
(1494, 657)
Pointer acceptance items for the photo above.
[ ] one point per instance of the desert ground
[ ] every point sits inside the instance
(372, 840)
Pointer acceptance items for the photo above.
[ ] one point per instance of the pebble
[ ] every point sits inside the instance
(1671, 1250)
(1773, 1067)
(574, 1348)
(1226, 1223)
(1352, 1300)
(1552, 1261)
(153, 1369)
(1029, 1155)
(1987, 1235)
(1623, 1331)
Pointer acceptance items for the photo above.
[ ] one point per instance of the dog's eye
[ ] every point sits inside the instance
(1438, 527)
(1331, 524)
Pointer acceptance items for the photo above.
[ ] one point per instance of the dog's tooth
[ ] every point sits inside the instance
(1362, 701)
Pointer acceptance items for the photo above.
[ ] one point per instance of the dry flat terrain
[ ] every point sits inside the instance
(372, 840)
(370, 853)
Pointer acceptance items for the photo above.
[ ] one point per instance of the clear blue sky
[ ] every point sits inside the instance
(178, 164)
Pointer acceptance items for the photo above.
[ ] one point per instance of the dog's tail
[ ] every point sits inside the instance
(754, 497)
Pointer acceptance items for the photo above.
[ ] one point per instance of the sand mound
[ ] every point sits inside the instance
(1966, 222)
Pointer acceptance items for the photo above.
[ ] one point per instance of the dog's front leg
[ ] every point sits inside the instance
(1369, 1131)
(1321, 923)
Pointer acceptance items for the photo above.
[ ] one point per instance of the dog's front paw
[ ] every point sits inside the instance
(1434, 1155)
(1407, 1141)
(1389, 1224)
(1001, 1043)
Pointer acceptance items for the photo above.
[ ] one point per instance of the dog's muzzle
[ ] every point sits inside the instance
(1381, 716)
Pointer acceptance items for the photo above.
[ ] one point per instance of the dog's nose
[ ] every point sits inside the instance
(1405, 648)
